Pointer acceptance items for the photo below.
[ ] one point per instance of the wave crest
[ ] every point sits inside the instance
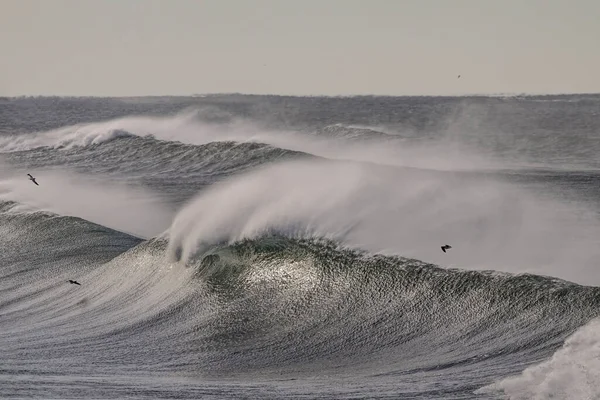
(490, 225)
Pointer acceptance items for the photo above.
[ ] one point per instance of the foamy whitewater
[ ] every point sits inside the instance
(266, 247)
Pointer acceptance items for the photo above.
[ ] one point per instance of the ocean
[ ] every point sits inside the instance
(272, 247)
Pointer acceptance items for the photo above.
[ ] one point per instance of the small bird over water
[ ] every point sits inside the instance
(74, 282)
(32, 179)
(446, 247)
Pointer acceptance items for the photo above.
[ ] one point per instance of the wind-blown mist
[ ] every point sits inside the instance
(490, 225)
(132, 210)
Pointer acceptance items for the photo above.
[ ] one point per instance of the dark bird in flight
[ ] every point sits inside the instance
(446, 247)
(74, 282)
(32, 179)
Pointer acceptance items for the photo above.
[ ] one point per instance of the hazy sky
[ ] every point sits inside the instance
(329, 47)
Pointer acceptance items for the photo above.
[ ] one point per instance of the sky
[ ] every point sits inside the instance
(298, 47)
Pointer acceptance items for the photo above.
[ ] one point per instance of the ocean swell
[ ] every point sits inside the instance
(273, 305)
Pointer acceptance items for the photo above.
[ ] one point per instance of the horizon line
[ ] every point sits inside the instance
(214, 94)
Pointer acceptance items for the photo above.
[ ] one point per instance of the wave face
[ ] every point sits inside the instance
(229, 247)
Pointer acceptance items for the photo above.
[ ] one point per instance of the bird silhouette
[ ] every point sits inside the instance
(74, 282)
(446, 247)
(32, 179)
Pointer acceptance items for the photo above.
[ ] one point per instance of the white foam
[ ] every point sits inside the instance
(572, 373)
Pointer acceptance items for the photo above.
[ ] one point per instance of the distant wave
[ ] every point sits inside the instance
(189, 126)
(150, 159)
(351, 132)
(60, 139)
(338, 141)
